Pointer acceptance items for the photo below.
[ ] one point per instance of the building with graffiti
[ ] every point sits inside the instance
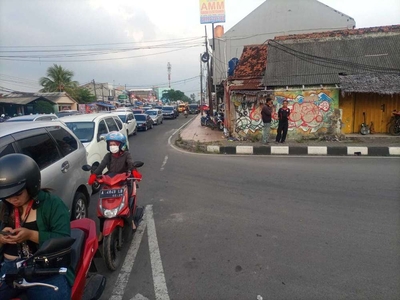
(332, 80)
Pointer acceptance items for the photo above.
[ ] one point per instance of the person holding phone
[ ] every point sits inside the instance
(29, 216)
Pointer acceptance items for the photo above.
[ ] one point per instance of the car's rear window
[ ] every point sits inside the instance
(168, 108)
(122, 117)
(140, 117)
(83, 130)
(152, 112)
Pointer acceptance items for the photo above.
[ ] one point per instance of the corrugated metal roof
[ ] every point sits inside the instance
(371, 83)
(20, 101)
(305, 62)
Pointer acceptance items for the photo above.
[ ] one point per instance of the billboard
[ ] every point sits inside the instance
(212, 11)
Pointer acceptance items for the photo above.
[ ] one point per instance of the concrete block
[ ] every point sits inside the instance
(280, 150)
(317, 150)
(353, 150)
(394, 150)
(297, 150)
(244, 149)
(261, 150)
(213, 149)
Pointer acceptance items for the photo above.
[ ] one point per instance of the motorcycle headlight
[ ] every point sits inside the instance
(111, 213)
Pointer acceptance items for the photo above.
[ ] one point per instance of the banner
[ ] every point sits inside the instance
(212, 11)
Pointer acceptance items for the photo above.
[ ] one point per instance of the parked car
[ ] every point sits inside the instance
(89, 128)
(156, 115)
(129, 121)
(194, 108)
(60, 156)
(138, 111)
(169, 112)
(45, 117)
(144, 122)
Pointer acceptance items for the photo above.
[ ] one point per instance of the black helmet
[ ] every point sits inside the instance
(18, 171)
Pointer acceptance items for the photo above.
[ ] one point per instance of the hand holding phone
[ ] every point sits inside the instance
(6, 233)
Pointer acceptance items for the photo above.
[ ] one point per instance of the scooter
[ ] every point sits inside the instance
(82, 245)
(117, 206)
(220, 121)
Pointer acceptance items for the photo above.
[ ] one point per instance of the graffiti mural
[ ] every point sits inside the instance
(311, 111)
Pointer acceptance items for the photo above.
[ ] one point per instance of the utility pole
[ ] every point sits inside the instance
(94, 89)
(213, 64)
(169, 74)
(201, 85)
(209, 84)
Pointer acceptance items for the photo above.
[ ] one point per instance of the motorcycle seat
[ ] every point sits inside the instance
(77, 246)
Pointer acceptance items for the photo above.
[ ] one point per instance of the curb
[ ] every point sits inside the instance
(309, 150)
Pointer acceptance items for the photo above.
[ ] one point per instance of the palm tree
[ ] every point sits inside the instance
(58, 80)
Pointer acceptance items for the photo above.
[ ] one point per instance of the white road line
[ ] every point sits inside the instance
(164, 163)
(160, 287)
(126, 269)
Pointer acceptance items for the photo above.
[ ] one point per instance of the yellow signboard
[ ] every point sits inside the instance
(212, 11)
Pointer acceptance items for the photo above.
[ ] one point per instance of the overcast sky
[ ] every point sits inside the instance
(113, 28)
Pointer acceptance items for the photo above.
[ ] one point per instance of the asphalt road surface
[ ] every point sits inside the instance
(259, 227)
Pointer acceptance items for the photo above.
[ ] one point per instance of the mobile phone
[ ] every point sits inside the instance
(5, 233)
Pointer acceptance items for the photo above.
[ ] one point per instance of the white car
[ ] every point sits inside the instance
(156, 115)
(89, 128)
(128, 118)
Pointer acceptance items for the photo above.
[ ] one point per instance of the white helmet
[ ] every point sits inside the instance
(3, 115)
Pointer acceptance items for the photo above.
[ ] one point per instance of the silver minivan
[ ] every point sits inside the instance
(60, 156)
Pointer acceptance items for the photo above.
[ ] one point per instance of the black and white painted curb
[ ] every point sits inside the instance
(306, 150)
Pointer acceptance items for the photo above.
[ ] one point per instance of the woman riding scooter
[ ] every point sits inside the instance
(118, 160)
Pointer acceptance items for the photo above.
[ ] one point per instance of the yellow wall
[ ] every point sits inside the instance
(378, 110)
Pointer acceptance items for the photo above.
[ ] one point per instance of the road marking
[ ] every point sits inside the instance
(139, 297)
(164, 163)
(160, 287)
(126, 269)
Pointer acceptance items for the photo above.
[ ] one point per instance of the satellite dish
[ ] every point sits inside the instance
(205, 57)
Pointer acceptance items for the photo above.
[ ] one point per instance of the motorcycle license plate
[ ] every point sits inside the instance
(112, 193)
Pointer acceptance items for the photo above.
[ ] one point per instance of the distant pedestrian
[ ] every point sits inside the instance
(283, 116)
(266, 114)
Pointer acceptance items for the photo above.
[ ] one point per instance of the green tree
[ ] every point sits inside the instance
(58, 80)
(43, 107)
(174, 95)
(83, 95)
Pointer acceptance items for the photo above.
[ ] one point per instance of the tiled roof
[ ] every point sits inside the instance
(319, 61)
(340, 33)
(252, 62)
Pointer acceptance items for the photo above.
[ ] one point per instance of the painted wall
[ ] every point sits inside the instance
(313, 112)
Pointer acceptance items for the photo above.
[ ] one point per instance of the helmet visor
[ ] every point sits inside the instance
(6, 191)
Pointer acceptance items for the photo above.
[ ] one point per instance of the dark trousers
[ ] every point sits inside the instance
(282, 131)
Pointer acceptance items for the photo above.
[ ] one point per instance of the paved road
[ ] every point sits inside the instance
(274, 227)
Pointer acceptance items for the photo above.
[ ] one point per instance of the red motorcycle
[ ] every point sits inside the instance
(76, 251)
(117, 208)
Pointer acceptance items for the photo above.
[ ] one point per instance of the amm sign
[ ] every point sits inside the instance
(212, 11)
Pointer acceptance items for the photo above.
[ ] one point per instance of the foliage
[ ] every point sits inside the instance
(43, 107)
(58, 80)
(174, 95)
(83, 95)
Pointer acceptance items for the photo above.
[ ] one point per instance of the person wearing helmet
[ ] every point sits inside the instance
(118, 160)
(29, 216)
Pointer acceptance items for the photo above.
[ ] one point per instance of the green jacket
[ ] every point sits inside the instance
(53, 220)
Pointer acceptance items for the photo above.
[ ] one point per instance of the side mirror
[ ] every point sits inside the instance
(86, 168)
(138, 164)
(101, 137)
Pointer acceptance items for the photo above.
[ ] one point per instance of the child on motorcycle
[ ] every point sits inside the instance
(118, 160)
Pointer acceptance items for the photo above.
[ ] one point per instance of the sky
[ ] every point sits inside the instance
(128, 43)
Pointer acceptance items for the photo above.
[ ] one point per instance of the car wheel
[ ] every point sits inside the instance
(146, 128)
(79, 208)
(151, 126)
(135, 131)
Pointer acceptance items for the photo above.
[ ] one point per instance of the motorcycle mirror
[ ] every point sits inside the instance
(86, 168)
(138, 164)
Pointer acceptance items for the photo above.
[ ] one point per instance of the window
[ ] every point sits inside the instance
(102, 129)
(7, 149)
(41, 148)
(83, 130)
(111, 124)
(119, 123)
(65, 141)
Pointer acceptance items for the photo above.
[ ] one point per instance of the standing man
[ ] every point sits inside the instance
(283, 116)
(266, 114)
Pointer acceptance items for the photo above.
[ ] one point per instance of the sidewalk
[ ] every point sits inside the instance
(197, 138)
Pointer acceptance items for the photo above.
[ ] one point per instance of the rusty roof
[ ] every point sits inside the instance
(252, 63)
(340, 33)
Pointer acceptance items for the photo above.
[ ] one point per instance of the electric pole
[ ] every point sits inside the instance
(94, 89)
(169, 74)
(201, 85)
(209, 84)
